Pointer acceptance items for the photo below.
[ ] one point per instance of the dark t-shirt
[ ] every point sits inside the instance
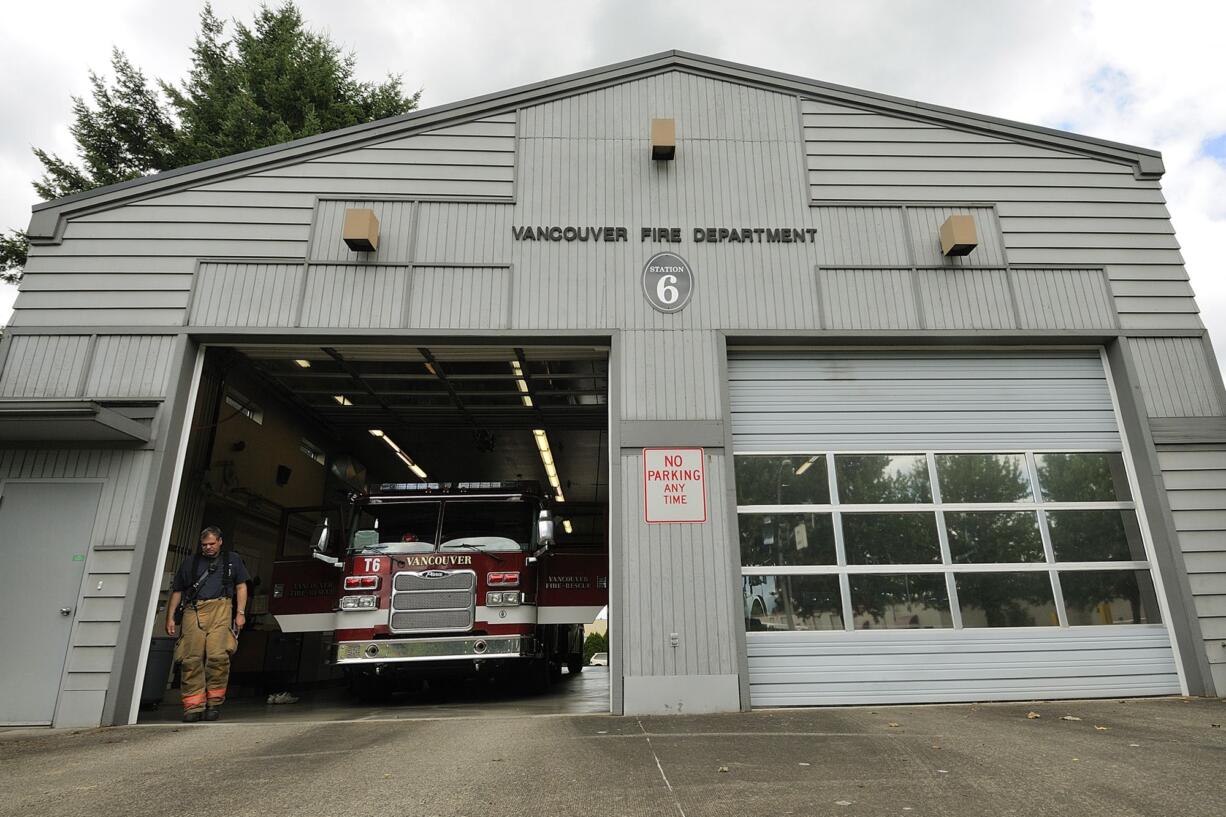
(212, 587)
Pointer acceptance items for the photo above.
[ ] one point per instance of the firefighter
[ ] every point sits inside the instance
(207, 610)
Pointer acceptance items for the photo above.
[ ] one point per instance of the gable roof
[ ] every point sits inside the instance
(48, 216)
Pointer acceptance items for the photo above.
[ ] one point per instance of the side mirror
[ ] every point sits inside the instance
(544, 528)
(319, 542)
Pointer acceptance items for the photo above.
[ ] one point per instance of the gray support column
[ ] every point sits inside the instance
(734, 553)
(1167, 552)
(617, 550)
(125, 681)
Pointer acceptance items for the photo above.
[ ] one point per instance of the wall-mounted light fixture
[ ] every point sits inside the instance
(958, 236)
(399, 452)
(551, 470)
(361, 230)
(663, 139)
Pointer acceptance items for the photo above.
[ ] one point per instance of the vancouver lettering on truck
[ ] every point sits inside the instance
(447, 580)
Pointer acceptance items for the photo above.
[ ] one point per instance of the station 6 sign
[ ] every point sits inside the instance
(674, 485)
(668, 282)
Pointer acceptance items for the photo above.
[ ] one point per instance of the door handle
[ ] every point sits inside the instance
(65, 611)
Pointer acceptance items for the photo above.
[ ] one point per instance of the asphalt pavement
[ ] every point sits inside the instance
(1153, 757)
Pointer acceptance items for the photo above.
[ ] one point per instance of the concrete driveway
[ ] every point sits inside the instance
(1137, 757)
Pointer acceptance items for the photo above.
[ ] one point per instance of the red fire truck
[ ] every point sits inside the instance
(446, 579)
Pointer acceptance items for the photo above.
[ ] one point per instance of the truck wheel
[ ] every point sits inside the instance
(574, 663)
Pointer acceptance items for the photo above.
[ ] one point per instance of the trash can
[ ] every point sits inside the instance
(157, 671)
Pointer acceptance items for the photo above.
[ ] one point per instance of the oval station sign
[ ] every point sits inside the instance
(668, 282)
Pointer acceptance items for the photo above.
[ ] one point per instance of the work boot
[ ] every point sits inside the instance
(212, 713)
(192, 717)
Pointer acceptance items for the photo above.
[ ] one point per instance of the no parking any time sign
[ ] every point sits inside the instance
(674, 485)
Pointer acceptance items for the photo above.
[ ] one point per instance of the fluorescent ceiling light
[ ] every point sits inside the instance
(342, 400)
(399, 452)
(566, 526)
(521, 384)
(303, 363)
(551, 470)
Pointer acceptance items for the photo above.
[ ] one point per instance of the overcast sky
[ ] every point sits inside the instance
(1144, 73)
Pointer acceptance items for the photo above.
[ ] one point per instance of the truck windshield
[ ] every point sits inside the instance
(488, 526)
(409, 527)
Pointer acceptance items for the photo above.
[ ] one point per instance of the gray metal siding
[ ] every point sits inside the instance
(126, 366)
(241, 294)
(868, 299)
(395, 232)
(966, 299)
(1176, 377)
(139, 258)
(677, 582)
(920, 400)
(1055, 207)
(343, 295)
(459, 297)
(1055, 299)
(44, 365)
(1196, 488)
(788, 669)
(464, 232)
(670, 376)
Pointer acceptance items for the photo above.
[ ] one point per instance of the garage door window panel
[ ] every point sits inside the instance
(790, 602)
(912, 601)
(882, 479)
(983, 478)
(908, 538)
(796, 479)
(786, 539)
(993, 537)
(1006, 599)
(1083, 477)
(1109, 597)
(1095, 535)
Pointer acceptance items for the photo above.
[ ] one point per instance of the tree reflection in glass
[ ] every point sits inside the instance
(1006, 599)
(900, 602)
(983, 478)
(1095, 536)
(906, 538)
(791, 479)
(882, 478)
(1083, 477)
(1095, 597)
(984, 537)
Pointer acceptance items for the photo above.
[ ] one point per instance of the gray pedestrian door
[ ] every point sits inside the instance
(44, 528)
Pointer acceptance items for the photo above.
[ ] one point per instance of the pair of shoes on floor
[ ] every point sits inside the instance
(212, 713)
(193, 717)
(282, 698)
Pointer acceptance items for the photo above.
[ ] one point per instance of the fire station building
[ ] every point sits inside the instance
(871, 401)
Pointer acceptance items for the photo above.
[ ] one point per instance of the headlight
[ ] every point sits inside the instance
(493, 599)
(359, 603)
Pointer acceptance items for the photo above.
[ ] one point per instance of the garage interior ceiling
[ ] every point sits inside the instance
(461, 412)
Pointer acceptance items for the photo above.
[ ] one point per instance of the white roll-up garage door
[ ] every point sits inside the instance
(940, 526)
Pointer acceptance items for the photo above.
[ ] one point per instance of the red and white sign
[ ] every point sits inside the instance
(674, 485)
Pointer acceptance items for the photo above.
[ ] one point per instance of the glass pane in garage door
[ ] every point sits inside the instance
(793, 479)
(882, 479)
(786, 539)
(900, 602)
(792, 603)
(1093, 597)
(1006, 599)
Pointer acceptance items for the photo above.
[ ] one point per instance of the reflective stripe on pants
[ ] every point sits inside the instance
(204, 649)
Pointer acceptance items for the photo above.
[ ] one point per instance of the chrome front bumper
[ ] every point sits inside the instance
(431, 649)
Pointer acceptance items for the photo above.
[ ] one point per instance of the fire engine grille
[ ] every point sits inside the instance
(437, 600)
(443, 602)
(457, 580)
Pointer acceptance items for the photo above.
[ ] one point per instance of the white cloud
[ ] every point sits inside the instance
(1118, 69)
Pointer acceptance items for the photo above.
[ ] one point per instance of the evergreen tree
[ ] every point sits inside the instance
(264, 84)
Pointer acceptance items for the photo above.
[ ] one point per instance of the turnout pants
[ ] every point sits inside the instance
(203, 651)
